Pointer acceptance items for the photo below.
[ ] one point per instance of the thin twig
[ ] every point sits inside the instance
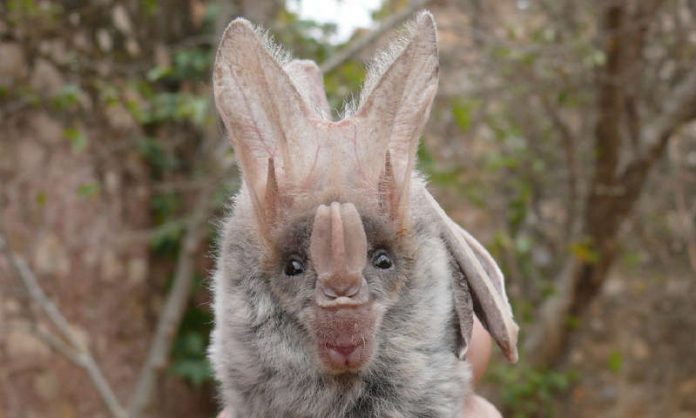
(679, 108)
(569, 149)
(57, 344)
(74, 349)
(175, 305)
(355, 47)
(684, 215)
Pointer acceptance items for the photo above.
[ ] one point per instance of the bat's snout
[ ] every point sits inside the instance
(344, 320)
(338, 249)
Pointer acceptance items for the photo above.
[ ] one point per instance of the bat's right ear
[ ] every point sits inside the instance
(482, 286)
(395, 103)
(263, 112)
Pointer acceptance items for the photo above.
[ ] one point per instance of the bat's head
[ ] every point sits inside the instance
(328, 200)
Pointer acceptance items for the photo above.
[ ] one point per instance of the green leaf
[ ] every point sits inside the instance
(614, 362)
(568, 98)
(596, 58)
(158, 73)
(584, 251)
(193, 63)
(67, 97)
(108, 93)
(195, 371)
(156, 155)
(501, 52)
(462, 114)
(78, 140)
(632, 258)
(165, 238)
(425, 158)
(523, 244)
(88, 190)
(573, 322)
(41, 199)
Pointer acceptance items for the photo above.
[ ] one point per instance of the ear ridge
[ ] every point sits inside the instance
(464, 309)
(491, 299)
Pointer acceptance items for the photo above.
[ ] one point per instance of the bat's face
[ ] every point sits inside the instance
(329, 198)
(337, 271)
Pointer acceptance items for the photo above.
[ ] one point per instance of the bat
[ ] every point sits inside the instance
(342, 288)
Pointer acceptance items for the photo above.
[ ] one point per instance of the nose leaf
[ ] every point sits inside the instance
(338, 249)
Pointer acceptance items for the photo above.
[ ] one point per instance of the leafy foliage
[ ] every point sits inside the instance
(189, 355)
(527, 392)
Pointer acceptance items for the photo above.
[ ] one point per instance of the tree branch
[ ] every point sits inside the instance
(358, 45)
(684, 214)
(74, 349)
(679, 108)
(175, 305)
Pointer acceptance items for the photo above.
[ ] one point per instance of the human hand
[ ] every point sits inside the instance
(478, 355)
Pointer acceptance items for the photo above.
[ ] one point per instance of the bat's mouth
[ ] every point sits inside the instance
(345, 338)
(345, 358)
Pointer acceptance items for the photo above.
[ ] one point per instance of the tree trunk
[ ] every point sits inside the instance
(582, 278)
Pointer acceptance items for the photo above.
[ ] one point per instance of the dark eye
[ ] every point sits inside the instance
(381, 260)
(293, 267)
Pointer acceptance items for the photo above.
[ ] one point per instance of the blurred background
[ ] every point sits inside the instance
(561, 137)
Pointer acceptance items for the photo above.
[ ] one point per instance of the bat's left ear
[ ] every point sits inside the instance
(480, 288)
(395, 103)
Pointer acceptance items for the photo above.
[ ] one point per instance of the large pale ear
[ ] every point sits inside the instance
(482, 280)
(264, 114)
(395, 104)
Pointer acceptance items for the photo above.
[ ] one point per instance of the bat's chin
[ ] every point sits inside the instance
(345, 338)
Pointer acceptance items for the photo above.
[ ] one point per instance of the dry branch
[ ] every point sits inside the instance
(72, 347)
(679, 108)
(684, 212)
(176, 302)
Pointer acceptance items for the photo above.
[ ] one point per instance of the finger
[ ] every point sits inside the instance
(478, 407)
(480, 351)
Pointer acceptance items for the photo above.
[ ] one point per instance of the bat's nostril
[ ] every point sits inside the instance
(337, 288)
(340, 291)
(353, 290)
(329, 292)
